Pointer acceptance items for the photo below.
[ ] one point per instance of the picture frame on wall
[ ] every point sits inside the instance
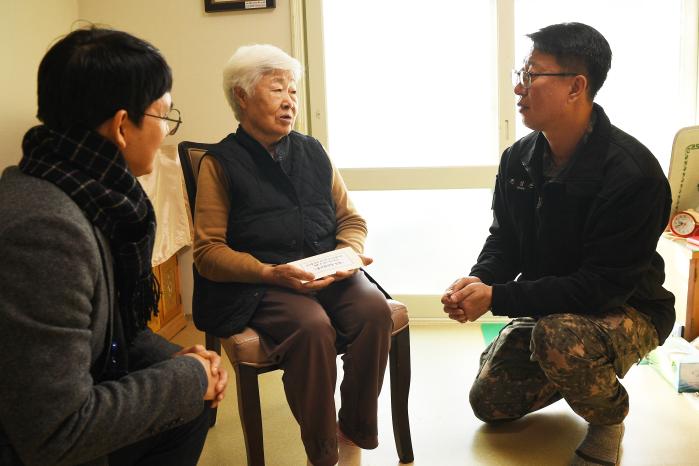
(211, 6)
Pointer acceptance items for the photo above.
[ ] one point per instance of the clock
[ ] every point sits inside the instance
(685, 223)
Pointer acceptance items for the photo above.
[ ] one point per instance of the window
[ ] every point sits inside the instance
(422, 240)
(416, 107)
(400, 94)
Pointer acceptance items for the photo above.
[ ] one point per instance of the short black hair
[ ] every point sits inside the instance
(575, 46)
(90, 74)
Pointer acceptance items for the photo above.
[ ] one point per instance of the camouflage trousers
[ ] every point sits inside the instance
(536, 361)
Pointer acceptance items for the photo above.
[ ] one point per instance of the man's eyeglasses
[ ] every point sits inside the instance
(172, 118)
(524, 77)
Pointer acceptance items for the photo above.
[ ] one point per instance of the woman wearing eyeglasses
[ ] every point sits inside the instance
(83, 379)
(267, 196)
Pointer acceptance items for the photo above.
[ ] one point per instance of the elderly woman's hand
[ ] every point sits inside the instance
(341, 275)
(291, 276)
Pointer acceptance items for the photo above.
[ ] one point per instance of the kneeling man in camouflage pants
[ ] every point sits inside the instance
(578, 208)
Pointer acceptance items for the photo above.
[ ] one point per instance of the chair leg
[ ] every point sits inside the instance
(400, 387)
(213, 343)
(250, 415)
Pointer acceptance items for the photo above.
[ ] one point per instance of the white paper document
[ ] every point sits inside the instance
(328, 263)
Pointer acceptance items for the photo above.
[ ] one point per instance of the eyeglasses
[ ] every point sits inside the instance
(524, 77)
(172, 123)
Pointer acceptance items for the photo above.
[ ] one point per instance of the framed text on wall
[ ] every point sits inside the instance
(211, 6)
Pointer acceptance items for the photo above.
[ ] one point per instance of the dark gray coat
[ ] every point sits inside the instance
(56, 300)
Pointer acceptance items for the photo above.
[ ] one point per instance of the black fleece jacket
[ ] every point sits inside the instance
(583, 242)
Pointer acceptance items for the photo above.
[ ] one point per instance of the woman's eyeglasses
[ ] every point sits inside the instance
(172, 119)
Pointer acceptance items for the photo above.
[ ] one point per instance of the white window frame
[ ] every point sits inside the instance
(307, 46)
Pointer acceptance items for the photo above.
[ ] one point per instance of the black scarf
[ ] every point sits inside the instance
(92, 171)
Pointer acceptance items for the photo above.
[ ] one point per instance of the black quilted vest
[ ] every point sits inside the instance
(280, 210)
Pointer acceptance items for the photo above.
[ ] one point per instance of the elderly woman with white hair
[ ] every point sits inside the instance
(267, 196)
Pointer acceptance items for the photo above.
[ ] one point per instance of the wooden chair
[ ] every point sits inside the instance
(249, 359)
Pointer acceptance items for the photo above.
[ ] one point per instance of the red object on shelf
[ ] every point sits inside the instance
(685, 223)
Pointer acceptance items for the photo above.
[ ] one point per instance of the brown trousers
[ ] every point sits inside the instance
(304, 332)
(535, 362)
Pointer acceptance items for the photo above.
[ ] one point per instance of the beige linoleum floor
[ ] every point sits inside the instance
(662, 428)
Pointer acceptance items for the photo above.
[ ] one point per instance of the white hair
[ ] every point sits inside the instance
(249, 63)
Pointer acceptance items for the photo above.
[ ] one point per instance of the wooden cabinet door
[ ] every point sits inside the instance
(170, 319)
(170, 299)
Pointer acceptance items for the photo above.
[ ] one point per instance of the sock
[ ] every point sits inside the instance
(350, 454)
(600, 446)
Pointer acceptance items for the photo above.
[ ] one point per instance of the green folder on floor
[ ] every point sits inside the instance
(490, 331)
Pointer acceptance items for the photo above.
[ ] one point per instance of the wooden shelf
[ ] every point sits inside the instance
(682, 272)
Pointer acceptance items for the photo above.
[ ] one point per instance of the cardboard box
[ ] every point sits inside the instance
(678, 362)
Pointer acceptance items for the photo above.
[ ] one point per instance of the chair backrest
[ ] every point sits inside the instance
(191, 154)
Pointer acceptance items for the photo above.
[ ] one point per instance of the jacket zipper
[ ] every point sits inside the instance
(537, 215)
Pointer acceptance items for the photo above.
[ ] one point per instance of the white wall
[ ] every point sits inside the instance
(27, 29)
